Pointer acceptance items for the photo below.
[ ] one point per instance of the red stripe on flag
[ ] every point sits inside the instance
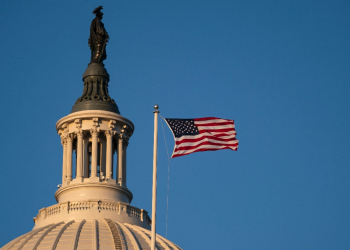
(214, 124)
(184, 140)
(215, 130)
(209, 118)
(200, 150)
(205, 143)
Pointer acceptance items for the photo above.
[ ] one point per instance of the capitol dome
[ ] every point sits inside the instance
(89, 234)
(93, 208)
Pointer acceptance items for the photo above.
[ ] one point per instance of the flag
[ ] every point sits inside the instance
(202, 134)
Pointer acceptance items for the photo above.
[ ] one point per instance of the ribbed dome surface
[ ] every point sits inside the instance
(89, 234)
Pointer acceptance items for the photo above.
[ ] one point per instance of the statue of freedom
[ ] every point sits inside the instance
(98, 38)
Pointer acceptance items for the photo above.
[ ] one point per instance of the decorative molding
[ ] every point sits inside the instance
(63, 140)
(95, 185)
(78, 123)
(80, 133)
(63, 133)
(95, 122)
(109, 133)
(94, 131)
(112, 124)
(126, 141)
(70, 137)
(95, 89)
(88, 114)
(124, 135)
(65, 127)
(123, 131)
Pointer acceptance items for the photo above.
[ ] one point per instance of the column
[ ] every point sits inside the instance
(86, 158)
(109, 154)
(69, 156)
(94, 140)
(115, 172)
(102, 156)
(79, 173)
(64, 167)
(125, 145)
(114, 151)
(120, 160)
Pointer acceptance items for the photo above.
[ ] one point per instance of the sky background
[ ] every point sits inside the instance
(280, 69)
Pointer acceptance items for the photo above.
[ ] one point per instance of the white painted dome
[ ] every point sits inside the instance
(93, 208)
(103, 234)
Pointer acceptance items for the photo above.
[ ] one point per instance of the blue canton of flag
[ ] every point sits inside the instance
(182, 127)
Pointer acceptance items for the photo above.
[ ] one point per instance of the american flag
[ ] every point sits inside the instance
(202, 134)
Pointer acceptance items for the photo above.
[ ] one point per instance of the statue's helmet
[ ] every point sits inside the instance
(97, 11)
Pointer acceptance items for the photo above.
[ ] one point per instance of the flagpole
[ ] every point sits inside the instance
(154, 187)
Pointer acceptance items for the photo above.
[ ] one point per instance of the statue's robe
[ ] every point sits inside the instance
(97, 41)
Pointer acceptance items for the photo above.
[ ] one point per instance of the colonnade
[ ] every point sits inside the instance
(94, 148)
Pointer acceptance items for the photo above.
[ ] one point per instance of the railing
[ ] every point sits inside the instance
(134, 211)
(78, 206)
(55, 209)
(108, 206)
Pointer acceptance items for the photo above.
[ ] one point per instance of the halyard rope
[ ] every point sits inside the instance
(167, 197)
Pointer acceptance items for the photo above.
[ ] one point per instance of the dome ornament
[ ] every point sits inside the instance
(96, 78)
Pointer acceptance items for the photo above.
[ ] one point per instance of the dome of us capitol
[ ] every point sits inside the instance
(93, 208)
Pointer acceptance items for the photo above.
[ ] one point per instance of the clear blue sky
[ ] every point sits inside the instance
(280, 69)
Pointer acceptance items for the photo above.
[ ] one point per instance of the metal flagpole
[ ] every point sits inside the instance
(154, 188)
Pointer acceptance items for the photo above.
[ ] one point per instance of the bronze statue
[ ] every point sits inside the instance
(98, 37)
